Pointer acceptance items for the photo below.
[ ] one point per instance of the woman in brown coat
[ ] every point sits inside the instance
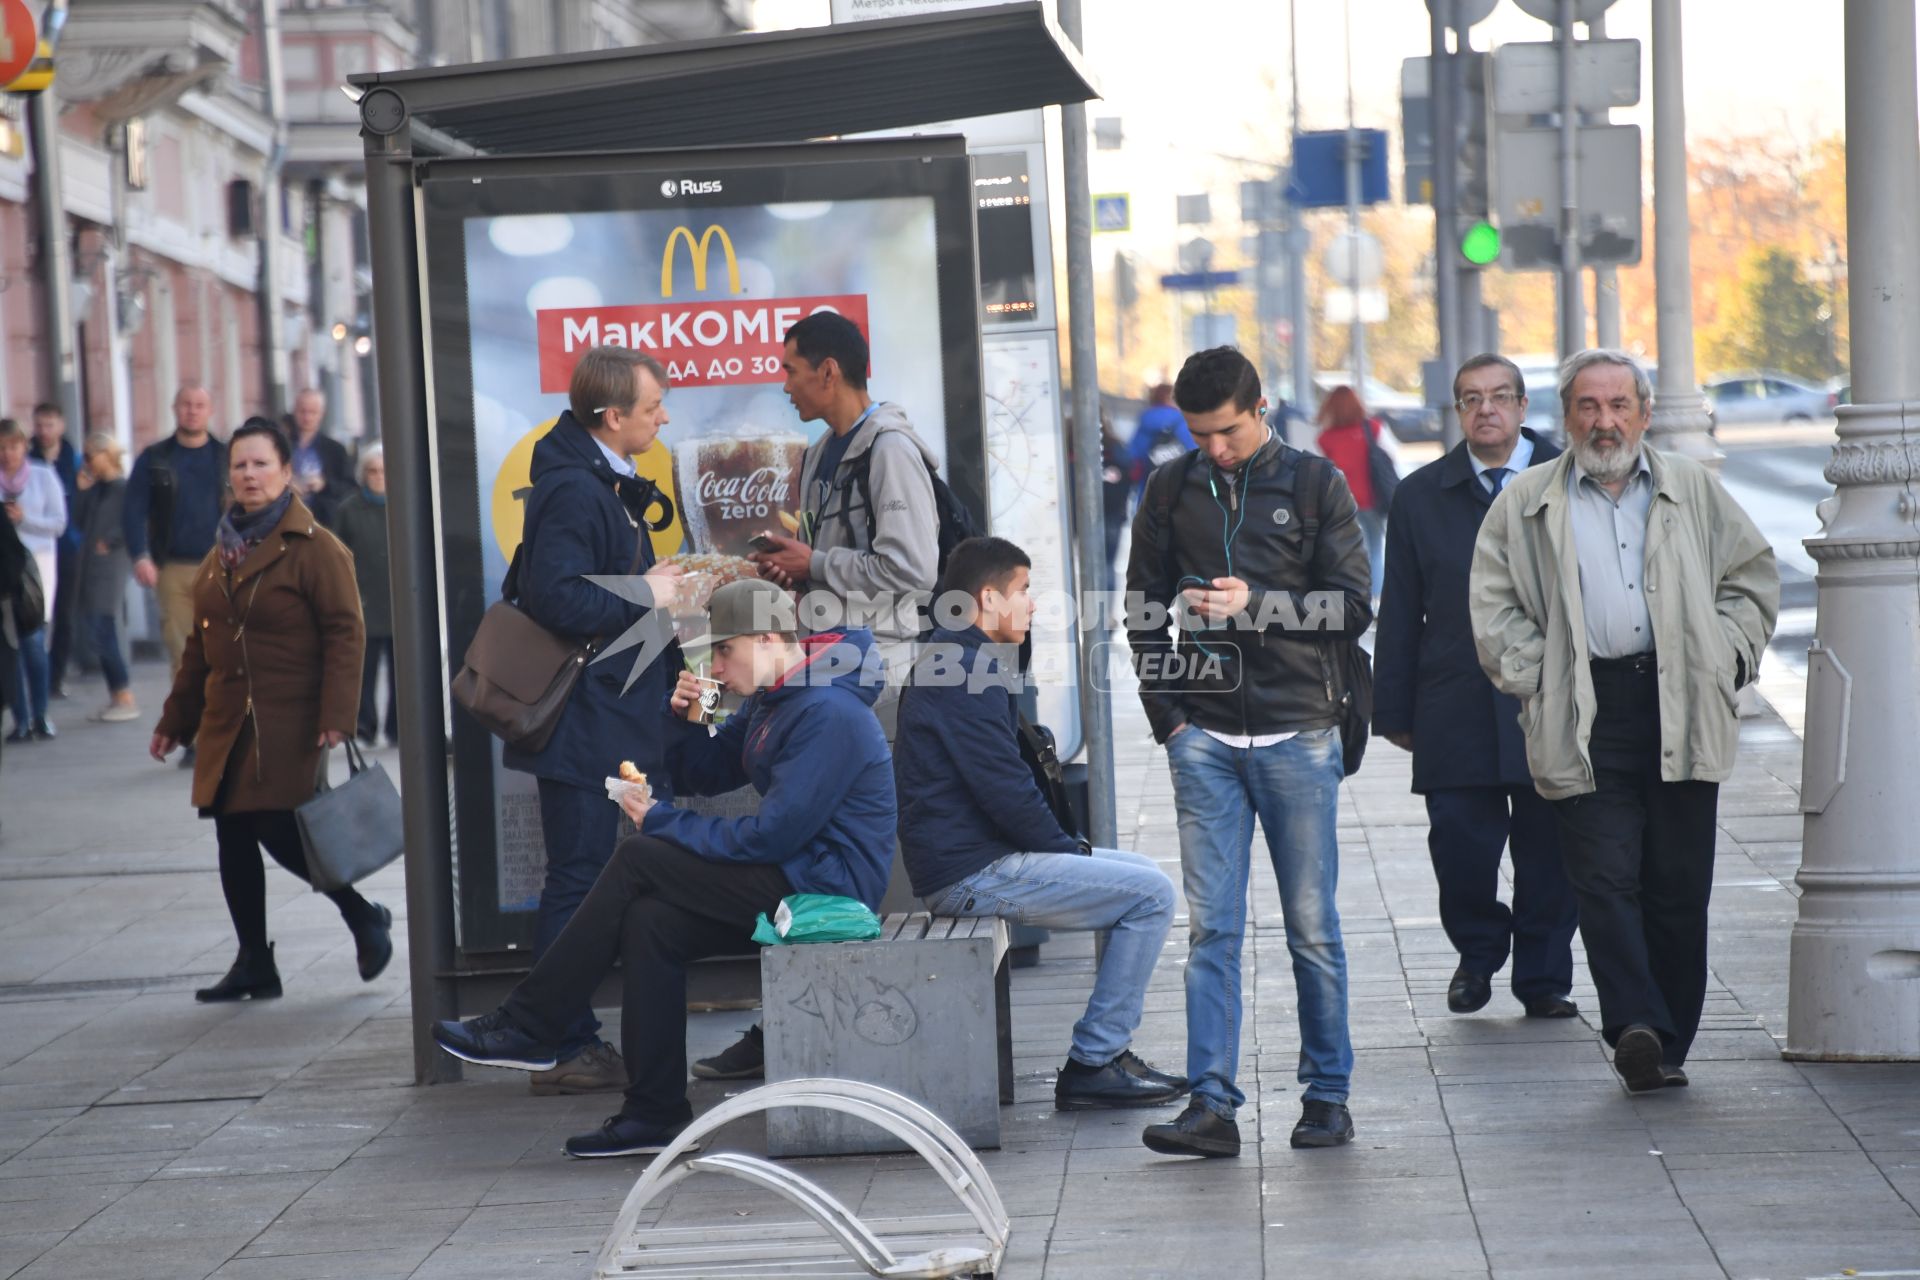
(270, 679)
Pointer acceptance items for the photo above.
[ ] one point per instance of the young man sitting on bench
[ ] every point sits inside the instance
(979, 839)
(690, 886)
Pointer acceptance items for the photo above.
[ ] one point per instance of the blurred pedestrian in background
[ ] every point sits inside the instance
(361, 523)
(50, 445)
(322, 471)
(1116, 493)
(100, 586)
(36, 504)
(268, 682)
(1347, 437)
(1159, 438)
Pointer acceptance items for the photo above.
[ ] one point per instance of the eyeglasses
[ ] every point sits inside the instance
(1471, 402)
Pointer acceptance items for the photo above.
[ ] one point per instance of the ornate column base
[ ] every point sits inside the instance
(1855, 955)
(1682, 425)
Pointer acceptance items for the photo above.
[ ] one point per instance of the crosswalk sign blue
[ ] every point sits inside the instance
(1112, 213)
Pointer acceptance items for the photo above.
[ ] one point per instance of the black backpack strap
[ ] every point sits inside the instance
(1313, 474)
(1163, 501)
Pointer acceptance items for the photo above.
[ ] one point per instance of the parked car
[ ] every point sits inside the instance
(1767, 397)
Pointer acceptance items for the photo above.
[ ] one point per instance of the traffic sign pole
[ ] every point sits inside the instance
(1446, 271)
(1573, 311)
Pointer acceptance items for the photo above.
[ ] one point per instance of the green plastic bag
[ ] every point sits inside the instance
(816, 917)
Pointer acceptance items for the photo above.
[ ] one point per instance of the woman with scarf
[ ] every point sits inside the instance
(361, 523)
(35, 502)
(269, 681)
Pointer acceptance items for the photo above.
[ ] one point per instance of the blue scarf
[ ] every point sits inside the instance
(377, 499)
(241, 531)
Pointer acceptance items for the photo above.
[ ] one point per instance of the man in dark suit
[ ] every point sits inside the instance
(1431, 698)
(321, 467)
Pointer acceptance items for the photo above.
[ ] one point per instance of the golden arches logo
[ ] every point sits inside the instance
(698, 250)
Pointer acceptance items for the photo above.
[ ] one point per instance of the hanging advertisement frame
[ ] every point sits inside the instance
(872, 182)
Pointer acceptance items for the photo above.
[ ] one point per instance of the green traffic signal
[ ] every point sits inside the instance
(1481, 244)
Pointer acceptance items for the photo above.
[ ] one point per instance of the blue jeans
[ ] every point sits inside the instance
(103, 634)
(1114, 889)
(1373, 527)
(580, 828)
(1293, 788)
(27, 690)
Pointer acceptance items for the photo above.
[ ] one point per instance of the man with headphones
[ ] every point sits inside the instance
(1248, 567)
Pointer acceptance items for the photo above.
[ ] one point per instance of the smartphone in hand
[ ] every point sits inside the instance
(763, 542)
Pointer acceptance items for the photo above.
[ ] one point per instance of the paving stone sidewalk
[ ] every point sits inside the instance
(144, 1135)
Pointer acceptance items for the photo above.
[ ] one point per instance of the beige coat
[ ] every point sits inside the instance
(1712, 592)
(274, 658)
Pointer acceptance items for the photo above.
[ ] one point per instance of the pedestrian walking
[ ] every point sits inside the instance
(360, 522)
(1625, 598)
(101, 591)
(1247, 701)
(690, 886)
(982, 840)
(1159, 437)
(588, 515)
(268, 682)
(1349, 438)
(51, 446)
(322, 471)
(175, 497)
(1431, 698)
(36, 504)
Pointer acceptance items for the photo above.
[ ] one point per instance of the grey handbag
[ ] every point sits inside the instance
(352, 830)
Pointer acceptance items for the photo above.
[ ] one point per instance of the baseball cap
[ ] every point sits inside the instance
(750, 607)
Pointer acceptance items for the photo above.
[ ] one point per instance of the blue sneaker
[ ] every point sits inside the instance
(622, 1135)
(491, 1041)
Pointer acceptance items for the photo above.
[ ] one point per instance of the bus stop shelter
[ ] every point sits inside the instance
(599, 112)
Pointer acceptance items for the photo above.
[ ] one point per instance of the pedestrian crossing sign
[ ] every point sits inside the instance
(1112, 213)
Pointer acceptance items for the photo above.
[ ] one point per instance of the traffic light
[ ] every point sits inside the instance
(1480, 243)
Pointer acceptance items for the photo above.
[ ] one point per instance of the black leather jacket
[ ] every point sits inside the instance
(1271, 669)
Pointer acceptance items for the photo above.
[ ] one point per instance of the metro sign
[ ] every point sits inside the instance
(703, 343)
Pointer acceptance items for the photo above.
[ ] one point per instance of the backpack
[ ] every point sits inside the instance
(956, 523)
(1353, 668)
(1165, 447)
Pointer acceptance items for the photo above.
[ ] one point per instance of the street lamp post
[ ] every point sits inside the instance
(1680, 420)
(1855, 956)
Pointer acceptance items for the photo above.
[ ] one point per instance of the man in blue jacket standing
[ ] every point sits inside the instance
(589, 515)
(979, 838)
(1430, 697)
(690, 886)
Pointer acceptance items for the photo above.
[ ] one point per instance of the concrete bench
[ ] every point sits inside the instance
(922, 1010)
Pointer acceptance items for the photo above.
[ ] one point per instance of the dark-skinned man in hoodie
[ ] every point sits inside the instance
(690, 886)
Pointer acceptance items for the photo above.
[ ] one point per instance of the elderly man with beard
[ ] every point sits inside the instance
(1624, 598)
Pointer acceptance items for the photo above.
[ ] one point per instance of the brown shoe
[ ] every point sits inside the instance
(596, 1069)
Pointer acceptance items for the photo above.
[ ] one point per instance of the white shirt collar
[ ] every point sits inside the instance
(621, 466)
(1516, 461)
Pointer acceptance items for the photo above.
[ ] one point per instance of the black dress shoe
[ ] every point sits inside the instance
(1672, 1077)
(1198, 1132)
(20, 734)
(1468, 991)
(1636, 1056)
(373, 942)
(1322, 1124)
(1551, 1007)
(252, 977)
(1111, 1087)
(43, 729)
(491, 1041)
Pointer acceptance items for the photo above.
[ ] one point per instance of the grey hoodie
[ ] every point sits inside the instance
(882, 582)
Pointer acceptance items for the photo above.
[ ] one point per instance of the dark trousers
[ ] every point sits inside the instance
(103, 630)
(579, 827)
(655, 908)
(378, 647)
(1639, 853)
(1467, 829)
(244, 880)
(60, 632)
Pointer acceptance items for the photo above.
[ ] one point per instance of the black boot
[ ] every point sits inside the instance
(373, 941)
(253, 976)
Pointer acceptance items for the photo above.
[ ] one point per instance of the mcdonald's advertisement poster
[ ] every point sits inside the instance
(710, 292)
